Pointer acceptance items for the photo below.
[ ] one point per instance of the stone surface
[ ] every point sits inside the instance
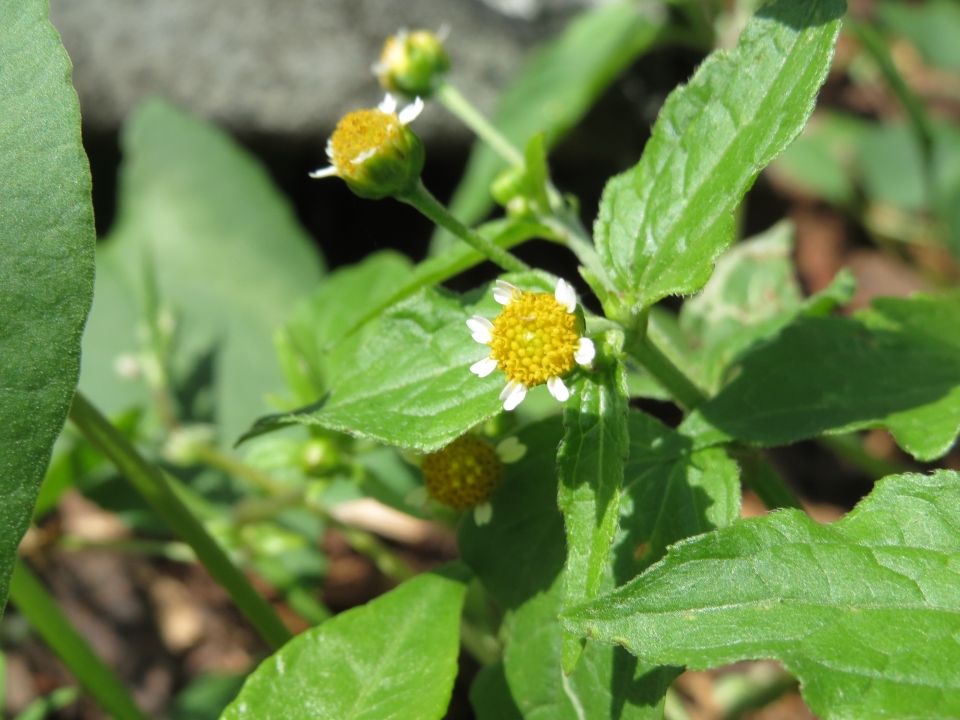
(289, 67)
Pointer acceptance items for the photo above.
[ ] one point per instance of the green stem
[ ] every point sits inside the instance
(850, 448)
(456, 103)
(420, 198)
(670, 377)
(36, 604)
(175, 551)
(151, 483)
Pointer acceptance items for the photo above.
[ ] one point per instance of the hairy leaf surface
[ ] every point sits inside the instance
(865, 612)
(46, 259)
(663, 223)
(395, 657)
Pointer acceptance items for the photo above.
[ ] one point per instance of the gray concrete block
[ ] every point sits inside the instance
(288, 67)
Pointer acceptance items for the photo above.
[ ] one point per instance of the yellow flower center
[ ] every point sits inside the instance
(358, 135)
(464, 473)
(534, 339)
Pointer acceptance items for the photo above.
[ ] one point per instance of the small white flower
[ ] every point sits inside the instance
(513, 394)
(504, 292)
(481, 328)
(586, 351)
(565, 295)
(484, 367)
(558, 389)
(483, 514)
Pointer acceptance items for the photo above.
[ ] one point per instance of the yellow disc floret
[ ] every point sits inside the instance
(358, 135)
(534, 339)
(464, 473)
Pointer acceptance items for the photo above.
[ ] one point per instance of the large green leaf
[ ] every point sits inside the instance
(671, 492)
(590, 469)
(202, 217)
(866, 611)
(608, 681)
(46, 259)
(555, 89)
(663, 223)
(410, 383)
(395, 657)
(896, 366)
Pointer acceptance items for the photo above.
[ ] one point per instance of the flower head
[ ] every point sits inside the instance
(412, 63)
(374, 151)
(465, 473)
(535, 340)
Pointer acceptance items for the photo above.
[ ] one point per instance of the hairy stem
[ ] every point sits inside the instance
(456, 103)
(420, 198)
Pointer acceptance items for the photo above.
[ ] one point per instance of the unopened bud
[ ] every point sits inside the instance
(185, 444)
(412, 63)
(319, 456)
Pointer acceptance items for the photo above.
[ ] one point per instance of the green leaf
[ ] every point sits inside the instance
(490, 695)
(663, 223)
(865, 612)
(410, 384)
(395, 657)
(521, 551)
(316, 334)
(892, 166)
(671, 492)
(46, 259)
(228, 257)
(590, 469)
(608, 681)
(555, 89)
(895, 366)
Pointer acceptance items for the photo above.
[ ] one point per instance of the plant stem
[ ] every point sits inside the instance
(151, 483)
(35, 603)
(175, 551)
(761, 477)
(850, 448)
(670, 377)
(456, 103)
(420, 198)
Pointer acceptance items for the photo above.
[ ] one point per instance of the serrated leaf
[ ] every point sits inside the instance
(229, 258)
(395, 657)
(670, 492)
(895, 366)
(555, 89)
(865, 612)
(608, 681)
(46, 259)
(410, 384)
(590, 470)
(663, 223)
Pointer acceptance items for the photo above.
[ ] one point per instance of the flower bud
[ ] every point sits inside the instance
(375, 152)
(412, 63)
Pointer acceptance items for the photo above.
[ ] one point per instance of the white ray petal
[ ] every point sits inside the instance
(480, 327)
(483, 514)
(566, 295)
(509, 450)
(586, 351)
(484, 367)
(324, 172)
(504, 292)
(513, 394)
(388, 105)
(330, 148)
(411, 112)
(558, 389)
(364, 156)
